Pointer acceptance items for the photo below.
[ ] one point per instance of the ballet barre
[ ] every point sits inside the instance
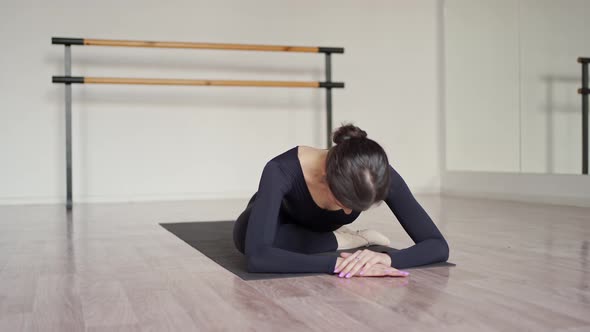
(68, 79)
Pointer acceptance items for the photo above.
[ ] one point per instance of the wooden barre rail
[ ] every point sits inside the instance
(208, 46)
(193, 82)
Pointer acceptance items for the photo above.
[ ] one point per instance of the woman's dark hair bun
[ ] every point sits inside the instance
(357, 169)
(347, 131)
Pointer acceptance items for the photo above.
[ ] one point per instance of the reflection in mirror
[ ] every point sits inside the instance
(512, 80)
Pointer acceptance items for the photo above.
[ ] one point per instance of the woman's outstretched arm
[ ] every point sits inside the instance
(262, 256)
(431, 246)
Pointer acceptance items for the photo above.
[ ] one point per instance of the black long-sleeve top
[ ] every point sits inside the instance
(282, 188)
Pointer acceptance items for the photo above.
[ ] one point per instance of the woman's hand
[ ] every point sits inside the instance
(362, 261)
(381, 270)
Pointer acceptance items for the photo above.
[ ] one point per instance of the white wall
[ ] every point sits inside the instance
(482, 85)
(146, 143)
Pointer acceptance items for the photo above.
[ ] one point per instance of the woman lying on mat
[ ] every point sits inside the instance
(307, 195)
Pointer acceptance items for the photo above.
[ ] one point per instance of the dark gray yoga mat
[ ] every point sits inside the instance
(215, 240)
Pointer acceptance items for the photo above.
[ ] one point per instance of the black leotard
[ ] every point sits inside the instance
(282, 190)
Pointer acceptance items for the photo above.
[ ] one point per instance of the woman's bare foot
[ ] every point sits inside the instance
(370, 237)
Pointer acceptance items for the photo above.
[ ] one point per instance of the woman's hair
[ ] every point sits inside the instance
(357, 169)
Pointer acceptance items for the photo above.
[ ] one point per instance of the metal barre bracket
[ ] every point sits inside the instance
(67, 41)
(584, 91)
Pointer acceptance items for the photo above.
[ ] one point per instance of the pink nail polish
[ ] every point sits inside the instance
(362, 272)
(341, 274)
(348, 275)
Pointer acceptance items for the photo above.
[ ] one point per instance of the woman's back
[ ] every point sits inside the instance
(298, 204)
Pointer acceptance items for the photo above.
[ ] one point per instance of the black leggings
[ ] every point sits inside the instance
(290, 236)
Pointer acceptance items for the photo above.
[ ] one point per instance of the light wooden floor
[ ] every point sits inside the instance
(521, 267)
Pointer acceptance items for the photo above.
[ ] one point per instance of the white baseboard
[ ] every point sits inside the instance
(426, 190)
(573, 190)
(126, 199)
(155, 197)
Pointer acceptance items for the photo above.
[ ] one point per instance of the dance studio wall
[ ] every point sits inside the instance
(138, 143)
